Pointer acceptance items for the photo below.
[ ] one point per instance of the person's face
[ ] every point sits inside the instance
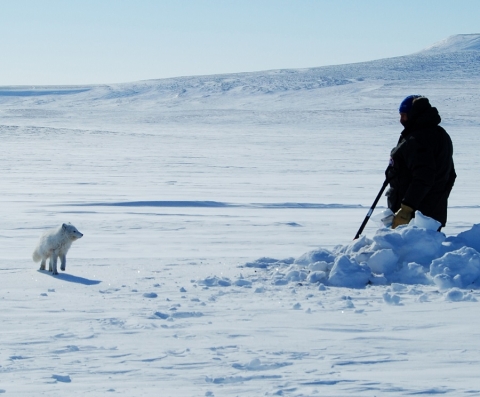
(403, 119)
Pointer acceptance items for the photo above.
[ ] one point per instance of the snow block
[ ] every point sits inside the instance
(412, 273)
(348, 273)
(460, 269)
(320, 255)
(420, 245)
(383, 261)
(471, 238)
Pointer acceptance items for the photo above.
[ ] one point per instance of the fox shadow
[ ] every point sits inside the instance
(73, 279)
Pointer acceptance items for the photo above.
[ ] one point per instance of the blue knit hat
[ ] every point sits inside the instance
(407, 103)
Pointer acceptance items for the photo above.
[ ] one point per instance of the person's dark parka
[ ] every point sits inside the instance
(421, 171)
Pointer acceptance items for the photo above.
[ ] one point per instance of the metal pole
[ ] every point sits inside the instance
(370, 211)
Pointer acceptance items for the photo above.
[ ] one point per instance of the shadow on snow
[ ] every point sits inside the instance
(73, 279)
(215, 204)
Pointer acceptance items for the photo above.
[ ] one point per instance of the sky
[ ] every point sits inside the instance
(76, 42)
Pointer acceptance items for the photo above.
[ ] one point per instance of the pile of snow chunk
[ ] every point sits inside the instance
(407, 255)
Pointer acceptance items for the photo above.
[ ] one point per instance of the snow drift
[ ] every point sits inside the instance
(406, 255)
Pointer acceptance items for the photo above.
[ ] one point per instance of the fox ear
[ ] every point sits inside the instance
(64, 226)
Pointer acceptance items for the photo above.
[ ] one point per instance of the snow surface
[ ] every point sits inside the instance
(218, 215)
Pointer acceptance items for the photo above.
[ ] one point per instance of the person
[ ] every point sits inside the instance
(421, 172)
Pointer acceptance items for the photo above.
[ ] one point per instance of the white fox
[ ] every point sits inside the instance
(55, 243)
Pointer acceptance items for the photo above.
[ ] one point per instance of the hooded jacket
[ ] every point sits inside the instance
(421, 171)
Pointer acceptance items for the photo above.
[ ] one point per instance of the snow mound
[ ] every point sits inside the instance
(407, 255)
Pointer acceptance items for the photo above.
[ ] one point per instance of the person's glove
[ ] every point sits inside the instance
(402, 216)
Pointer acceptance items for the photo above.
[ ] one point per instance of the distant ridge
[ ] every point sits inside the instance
(457, 57)
(459, 42)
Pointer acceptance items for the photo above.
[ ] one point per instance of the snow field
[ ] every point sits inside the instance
(218, 215)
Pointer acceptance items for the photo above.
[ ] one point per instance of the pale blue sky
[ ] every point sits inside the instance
(48, 42)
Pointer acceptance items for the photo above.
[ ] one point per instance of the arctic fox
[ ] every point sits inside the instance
(55, 243)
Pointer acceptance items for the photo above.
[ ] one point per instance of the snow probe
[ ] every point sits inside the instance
(370, 211)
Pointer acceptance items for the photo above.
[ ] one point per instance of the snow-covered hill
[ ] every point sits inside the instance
(455, 58)
(457, 43)
(346, 95)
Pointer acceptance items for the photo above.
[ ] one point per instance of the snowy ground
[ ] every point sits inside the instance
(180, 193)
